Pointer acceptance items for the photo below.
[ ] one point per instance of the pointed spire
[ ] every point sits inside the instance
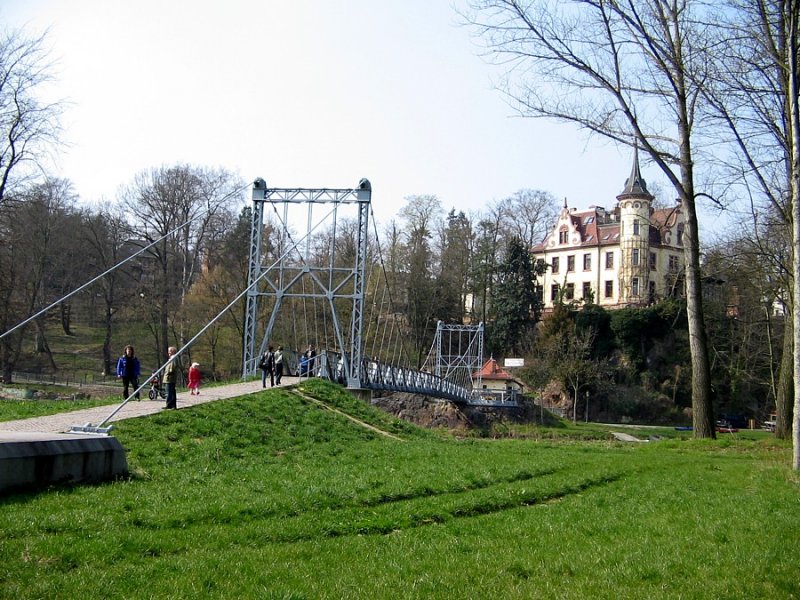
(635, 184)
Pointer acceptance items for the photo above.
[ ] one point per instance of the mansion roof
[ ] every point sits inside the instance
(599, 227)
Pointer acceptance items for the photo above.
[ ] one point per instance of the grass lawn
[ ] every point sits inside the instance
(271, 496)
(17, 408)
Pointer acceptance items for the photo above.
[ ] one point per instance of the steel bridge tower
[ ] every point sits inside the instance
(294, 264)
(458, 354)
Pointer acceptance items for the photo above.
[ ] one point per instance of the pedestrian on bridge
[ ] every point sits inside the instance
(308, 361)
(267, 366)
(278, 365)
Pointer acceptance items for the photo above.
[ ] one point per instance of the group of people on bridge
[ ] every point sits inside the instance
(273, 363)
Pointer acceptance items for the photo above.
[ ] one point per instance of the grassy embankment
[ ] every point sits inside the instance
(269, 496)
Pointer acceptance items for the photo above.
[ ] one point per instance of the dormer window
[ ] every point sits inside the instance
(562, 236)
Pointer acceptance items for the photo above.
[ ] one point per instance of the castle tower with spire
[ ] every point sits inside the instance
(634, 203)
(631, 255)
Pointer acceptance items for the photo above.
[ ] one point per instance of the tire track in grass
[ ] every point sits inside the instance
(355, 520)
(373, 525)
(251, 514)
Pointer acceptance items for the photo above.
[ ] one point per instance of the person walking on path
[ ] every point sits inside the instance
(129, 369)
(194, 379)
(170, 378)
(267, 366)
(278, 365)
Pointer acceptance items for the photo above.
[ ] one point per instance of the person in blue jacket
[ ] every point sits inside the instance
(128, 369)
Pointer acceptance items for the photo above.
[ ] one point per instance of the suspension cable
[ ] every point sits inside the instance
(188, 344)
(402, 349)
(119, 264)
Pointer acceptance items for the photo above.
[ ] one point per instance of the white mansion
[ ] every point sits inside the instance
(628, 256)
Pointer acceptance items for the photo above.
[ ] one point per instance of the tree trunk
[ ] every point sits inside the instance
(41, 344)
(107, 364)
(794, 127)
(784, 399)
(702, 408)
(164, 308)
(66, 318)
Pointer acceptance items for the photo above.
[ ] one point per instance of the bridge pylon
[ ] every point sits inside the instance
(457, 354)
(295, 268)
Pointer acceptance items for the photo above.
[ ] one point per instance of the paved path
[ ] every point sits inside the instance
(61, 422)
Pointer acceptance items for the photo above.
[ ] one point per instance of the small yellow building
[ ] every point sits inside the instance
(496, 379)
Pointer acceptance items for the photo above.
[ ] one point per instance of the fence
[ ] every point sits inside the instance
(65, 378)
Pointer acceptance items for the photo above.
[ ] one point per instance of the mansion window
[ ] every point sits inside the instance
(609, 289)
(609, 260)
(635, 286)
(635, 257)
(652, 292)
(587, 290)
(680, 237)
(555, 264)
(673, 264)
(571, 263)
(587, 262)
(652, 261)
(636, 227)
(569, 292)
(554, 292)
(562, 236)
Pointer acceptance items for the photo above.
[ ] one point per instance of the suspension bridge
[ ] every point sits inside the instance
(323, 280)
(320, 275)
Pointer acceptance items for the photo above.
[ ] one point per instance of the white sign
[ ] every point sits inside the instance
(514, 362)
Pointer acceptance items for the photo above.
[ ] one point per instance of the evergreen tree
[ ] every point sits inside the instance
(516, 305)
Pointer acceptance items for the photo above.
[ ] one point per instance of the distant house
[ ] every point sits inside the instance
(631, 255)
(496, 379)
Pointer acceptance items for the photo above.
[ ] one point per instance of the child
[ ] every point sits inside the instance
(194, 379)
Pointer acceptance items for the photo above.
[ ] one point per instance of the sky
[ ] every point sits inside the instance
(303, 93)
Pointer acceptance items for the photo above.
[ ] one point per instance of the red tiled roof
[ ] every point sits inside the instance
(491, 370)
(592, 234)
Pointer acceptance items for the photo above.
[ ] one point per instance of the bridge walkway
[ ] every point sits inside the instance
(61, 422)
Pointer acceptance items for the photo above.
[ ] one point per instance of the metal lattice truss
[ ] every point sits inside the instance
(457, 354)
(297, 273)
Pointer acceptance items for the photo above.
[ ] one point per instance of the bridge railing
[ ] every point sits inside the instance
(381, 376)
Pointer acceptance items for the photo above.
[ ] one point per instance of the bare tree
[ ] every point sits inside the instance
(106, 234)
(529, 215)
(755, 95)
(28, 126)
(36, 257)
(184, 202)
(625, 70)
(422, 216)
(793, 44)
